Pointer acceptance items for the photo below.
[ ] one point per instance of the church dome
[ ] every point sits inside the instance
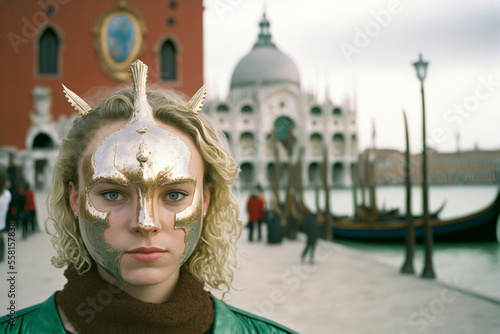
(265, 64)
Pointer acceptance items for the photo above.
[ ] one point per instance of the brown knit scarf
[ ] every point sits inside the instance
(93, 305)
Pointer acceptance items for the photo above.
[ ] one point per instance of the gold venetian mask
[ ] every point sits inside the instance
(142, 155)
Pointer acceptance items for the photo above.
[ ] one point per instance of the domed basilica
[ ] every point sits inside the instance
(265, 97)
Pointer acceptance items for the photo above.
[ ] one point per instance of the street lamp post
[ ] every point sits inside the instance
(428, 271)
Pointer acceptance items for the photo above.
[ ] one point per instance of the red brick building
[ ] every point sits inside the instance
(88, 44)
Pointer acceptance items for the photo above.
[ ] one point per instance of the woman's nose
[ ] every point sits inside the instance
(145, 221)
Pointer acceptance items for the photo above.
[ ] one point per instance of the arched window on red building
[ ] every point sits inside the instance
(48, 52)
(168, 61)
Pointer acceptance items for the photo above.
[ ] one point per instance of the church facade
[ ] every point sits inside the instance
(265, 103)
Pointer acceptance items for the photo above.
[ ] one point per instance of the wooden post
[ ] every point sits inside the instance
(328, 216)
(355, 180)
(410, 231)
(276, 181)
(428, 271)
(290, 229)
(374, 212)
(300, 186)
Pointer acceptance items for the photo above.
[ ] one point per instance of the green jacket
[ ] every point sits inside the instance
(44, 318)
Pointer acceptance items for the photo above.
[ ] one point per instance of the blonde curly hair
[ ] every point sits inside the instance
(214, 257)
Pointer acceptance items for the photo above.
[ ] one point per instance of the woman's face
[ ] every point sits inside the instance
(141, 200)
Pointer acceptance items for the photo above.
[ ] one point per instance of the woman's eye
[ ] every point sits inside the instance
(175, 196)
(112, 196)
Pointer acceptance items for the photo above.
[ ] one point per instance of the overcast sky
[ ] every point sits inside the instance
(369, 46)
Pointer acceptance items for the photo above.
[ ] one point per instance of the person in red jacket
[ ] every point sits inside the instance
(30, 208)
(255, 208)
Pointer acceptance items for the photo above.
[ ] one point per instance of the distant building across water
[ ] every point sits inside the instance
(464, 167)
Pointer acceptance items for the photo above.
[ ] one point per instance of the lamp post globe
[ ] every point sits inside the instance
(421, 68)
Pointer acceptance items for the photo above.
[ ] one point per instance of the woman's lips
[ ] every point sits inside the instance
(146, 254)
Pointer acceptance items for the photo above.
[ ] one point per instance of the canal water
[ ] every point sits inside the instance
(473, 266)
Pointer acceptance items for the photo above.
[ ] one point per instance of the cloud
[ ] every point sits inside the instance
(451, 32)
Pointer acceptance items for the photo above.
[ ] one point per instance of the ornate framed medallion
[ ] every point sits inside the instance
(119, 40)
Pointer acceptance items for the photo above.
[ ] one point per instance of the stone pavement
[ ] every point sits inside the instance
(349, 291)
(346, 291)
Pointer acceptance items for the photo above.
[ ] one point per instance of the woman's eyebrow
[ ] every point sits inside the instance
(163, 182)
(114, 181)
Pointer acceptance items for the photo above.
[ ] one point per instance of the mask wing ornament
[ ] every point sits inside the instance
(77, 102)
(196, 102)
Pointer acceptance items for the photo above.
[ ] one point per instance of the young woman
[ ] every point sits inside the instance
(144, 218)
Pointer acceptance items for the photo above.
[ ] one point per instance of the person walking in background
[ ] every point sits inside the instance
(13, 212)
(18, 206)
(30, 210)
(5, 198)
(262, 219)
(255, 208)
(312, 229)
